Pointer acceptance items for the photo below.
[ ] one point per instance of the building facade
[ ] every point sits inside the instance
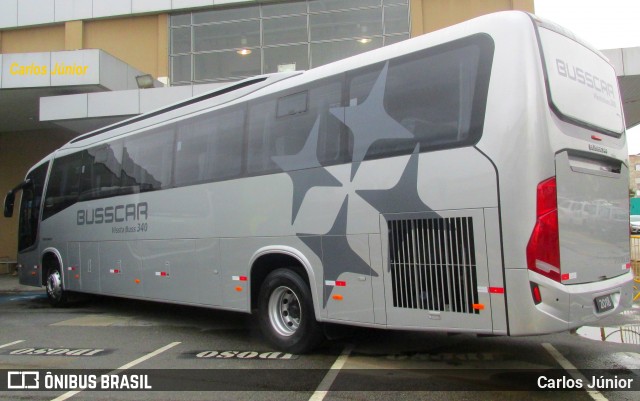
(69, 66)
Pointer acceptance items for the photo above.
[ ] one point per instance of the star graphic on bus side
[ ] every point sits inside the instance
(342, 258)
(304, 180)
(404, 193)
(370, 122)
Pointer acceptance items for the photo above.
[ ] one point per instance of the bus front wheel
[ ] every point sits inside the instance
(55, 291)
(286, 314)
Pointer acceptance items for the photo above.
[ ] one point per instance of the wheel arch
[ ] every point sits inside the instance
(51, 257)
(268, 259)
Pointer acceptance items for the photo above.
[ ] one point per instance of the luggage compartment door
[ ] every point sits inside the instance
(436, 273)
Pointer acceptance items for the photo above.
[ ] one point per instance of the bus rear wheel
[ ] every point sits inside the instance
(55, 292)
(286, 314)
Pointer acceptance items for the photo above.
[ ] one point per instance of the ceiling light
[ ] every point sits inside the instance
(244, 52)
(364, 41)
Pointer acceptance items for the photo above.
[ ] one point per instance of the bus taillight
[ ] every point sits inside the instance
(543, 250)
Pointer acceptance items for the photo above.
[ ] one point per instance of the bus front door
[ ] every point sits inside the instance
(28, 234)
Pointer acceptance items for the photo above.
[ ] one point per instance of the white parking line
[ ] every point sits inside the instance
(327, 381)
(573, 371)
(10, 344)
(148, 356)
(129, 365)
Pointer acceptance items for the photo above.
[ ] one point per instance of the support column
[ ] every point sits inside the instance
(73, 35)
(163, 46)
(417, 26)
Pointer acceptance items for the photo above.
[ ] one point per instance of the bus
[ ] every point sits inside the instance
(413, 187)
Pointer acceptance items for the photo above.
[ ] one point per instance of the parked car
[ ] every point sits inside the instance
(634, 222)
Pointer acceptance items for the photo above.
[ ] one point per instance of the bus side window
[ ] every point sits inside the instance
(64, 184)
(209, 148)
(438, 95)
(282, 126)
(262, 137)
(147, 161)
(360, 84)
(334, 142)
(101, 177)
(441, 98)
(292, 104)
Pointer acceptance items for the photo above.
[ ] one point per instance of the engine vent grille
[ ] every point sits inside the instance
(433, 264)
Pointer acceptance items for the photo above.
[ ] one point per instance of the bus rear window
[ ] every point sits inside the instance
(582, 86)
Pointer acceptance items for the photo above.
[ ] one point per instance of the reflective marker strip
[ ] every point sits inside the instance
(333, 283)
(239, 278)
(492, 290)
(114, 271)
(162, 274)
(626, 266)
(71, 268)
(569, 276)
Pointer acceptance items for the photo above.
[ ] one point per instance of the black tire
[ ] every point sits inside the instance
(286, 314)
(55, 290)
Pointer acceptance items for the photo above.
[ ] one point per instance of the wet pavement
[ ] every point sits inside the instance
(194, 353)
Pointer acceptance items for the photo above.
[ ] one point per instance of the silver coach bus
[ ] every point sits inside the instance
(428, 185)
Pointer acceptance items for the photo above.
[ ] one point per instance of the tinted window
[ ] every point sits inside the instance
(262, 138)
(101, 177)
(271, 137)
(64, 184)
(147, 161)
(292, 104)
(209, 147)
(437, 95)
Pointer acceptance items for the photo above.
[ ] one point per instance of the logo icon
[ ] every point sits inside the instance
(23, 380)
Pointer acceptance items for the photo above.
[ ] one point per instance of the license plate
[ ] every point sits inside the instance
(603, 303)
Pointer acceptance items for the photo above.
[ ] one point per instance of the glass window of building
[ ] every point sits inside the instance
(228, 44)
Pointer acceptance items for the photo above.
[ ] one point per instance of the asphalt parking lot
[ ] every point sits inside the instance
(191, 353)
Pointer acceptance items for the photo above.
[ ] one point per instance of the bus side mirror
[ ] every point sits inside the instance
(9, 201)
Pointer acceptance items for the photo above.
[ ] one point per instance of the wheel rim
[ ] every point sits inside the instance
(284, 311)
(54, 286)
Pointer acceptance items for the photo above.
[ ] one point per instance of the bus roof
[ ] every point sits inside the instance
(253, 82)
(240, 89)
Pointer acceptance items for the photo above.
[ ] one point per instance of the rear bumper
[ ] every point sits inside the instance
(563, 307)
